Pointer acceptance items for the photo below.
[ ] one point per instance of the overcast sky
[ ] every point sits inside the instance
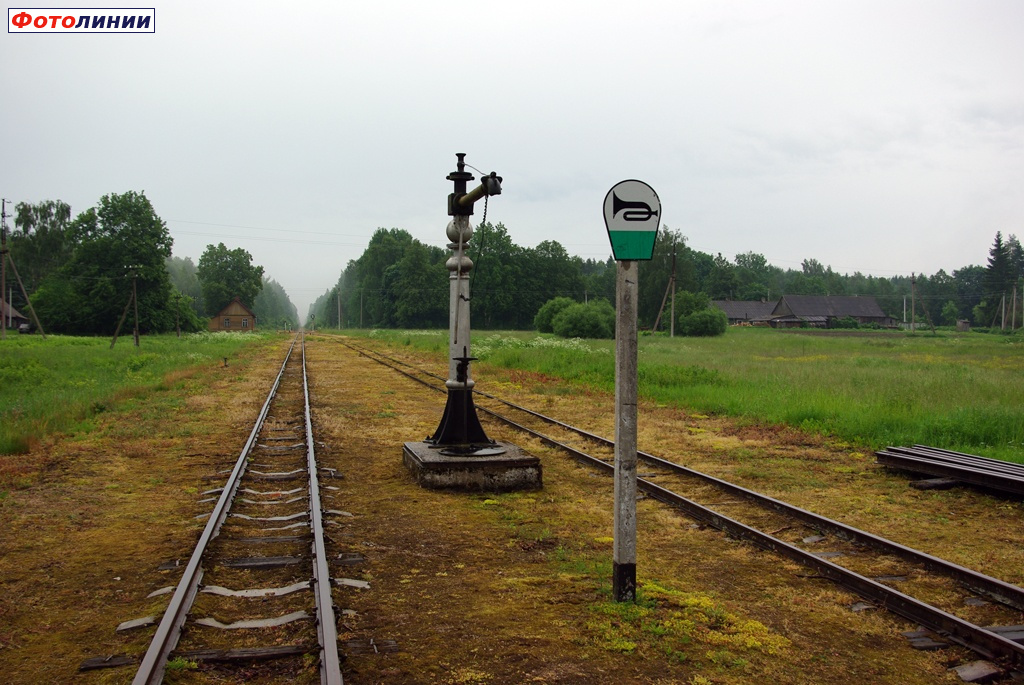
(881, 137)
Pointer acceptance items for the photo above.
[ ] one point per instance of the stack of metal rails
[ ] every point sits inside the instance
(956, 467)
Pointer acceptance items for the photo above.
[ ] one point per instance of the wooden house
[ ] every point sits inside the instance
(821, 311)
(235, 317)
(752, 312)
(12, 317)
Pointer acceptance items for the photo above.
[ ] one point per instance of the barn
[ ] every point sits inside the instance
(753, 312)
(235, 317)
(820, 311)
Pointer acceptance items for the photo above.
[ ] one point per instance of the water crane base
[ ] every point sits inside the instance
(511, 470)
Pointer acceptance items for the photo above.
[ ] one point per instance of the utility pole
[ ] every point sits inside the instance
(135, 299)
(3, 268)
(4, 258)
(1013, 326)
(178, 297)
(672, 313)
(913, 302)
(124, 314)
(671, 289)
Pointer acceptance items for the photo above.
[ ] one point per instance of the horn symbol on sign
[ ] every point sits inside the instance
(635, 211)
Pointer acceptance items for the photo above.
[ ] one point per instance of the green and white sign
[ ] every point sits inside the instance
(632, 212)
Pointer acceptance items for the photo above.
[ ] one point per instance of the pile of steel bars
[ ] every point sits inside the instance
(967, 468)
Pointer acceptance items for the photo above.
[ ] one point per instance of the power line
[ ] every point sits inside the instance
(279, 230)
(289, 241)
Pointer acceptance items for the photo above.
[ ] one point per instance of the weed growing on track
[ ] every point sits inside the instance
(58, 384)
(959, 392)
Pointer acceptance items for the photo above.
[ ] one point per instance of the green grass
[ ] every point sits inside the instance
(961, 392)
(57, 384)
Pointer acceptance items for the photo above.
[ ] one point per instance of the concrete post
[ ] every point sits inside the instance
(624, 546)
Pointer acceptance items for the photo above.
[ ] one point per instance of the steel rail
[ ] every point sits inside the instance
(326, 622)
(168, 632)
(982, 641)
(986, 461)
(994, 588)
(971, 461)
(997, 479)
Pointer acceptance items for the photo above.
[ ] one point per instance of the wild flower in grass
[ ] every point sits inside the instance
(496, 342)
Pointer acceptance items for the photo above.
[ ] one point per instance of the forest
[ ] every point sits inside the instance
(80, 273)
(400, 282)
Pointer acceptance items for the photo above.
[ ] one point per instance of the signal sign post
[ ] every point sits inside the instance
(631, 213)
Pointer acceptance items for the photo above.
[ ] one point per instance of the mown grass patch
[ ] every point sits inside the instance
(959, 392)
(57, 385)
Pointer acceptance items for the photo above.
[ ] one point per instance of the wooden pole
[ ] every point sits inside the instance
(913, 302)
(672, 313)
(135, 299)
(3, 268)
(1013, 320)
(624, 546)
(124, 315)
(24, 293)
(661, 309)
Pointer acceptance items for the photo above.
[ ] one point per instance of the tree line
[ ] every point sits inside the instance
(80, 272)
(400, 282)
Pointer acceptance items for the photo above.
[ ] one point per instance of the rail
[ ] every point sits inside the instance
(153, 665)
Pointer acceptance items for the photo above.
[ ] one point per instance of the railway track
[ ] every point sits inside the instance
(257, 588)
(885, 573)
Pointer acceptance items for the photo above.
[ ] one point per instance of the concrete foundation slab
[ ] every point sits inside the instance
(511, 470)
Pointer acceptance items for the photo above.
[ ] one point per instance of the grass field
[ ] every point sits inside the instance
(961, 392)
(55, 385)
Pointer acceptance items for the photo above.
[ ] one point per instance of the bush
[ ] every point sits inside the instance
(593, 320)
(846, 322)
(547, 313)
(706, 322)
(690, 303)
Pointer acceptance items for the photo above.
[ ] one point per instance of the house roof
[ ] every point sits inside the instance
(6, 309)
(234, 304)
(831, 306)
(746, 310)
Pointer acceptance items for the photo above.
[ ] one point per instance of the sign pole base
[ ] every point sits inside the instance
(623, 582)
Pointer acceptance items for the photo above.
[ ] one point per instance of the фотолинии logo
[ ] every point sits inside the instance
(81, 20)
